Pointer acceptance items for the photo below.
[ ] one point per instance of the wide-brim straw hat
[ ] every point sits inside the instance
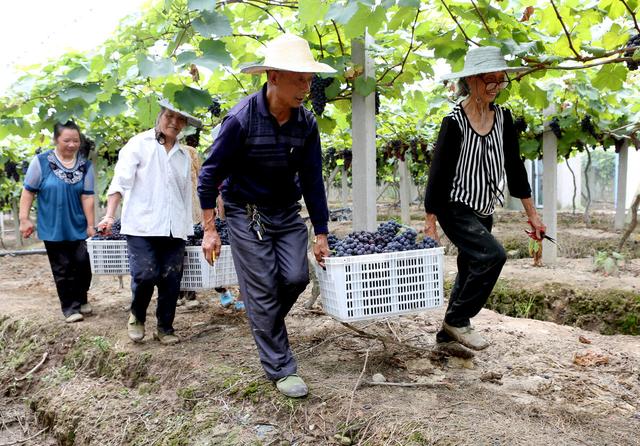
(288, 52)
(191, 120)
(480, 60)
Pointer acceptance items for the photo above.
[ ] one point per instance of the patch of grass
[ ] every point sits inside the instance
(95, 355)
(606, 311)
(59, 375)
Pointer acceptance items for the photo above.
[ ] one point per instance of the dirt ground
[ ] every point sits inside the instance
(537, 384)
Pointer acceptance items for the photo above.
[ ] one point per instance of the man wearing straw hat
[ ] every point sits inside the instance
(266, 157)
(477, 145)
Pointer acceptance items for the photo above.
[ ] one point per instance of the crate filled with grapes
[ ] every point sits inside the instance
(108, 253)
(197, 274)
(380, 274)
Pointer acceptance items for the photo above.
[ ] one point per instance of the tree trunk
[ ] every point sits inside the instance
(331, 179)
(632, 224)
(575, 188)
(16, 222)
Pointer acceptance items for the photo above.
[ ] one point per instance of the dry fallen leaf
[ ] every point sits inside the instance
(584, 340)
(195, 74)
(590, 358)
(527, 13)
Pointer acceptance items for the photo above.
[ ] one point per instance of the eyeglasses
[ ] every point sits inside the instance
(493, 85)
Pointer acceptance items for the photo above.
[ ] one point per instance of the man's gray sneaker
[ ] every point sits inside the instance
(86, 308)
(135, 329)
(74, 317)
(166, 338)
(292, 386)
(467, 336)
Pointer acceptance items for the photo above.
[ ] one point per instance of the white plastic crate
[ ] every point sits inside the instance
(111, 257)
(223, 272)
(197, 274)
(373, 286)
(108, 256)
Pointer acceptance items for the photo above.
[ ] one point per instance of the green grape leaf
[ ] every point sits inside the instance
(212, 24)
(342, 13)
(201, 5)
(190, 98)
(86, 92)
(116, 106)
(310, 12)
(155, 67)
(78, 74)
(214, 54)
(364, 86)
(610, 77)
(325, 124)
(147, 110)
(186, 58)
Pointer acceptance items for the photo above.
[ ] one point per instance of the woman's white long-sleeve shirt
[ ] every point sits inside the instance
(156, 187)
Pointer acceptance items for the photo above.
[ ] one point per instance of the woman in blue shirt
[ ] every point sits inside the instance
(63, 182)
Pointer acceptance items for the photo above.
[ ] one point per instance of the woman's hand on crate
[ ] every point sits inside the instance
(321, 248)
(430, 229)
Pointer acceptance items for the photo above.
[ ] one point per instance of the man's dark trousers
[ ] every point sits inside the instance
(156, 261)
(480, 261)
(272, 273)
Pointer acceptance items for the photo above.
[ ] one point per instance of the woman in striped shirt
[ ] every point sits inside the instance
(477, 149)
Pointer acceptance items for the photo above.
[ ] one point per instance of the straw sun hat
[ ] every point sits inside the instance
(288, 52)
(480, 60)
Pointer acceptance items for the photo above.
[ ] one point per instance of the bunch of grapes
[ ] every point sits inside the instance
(632, 65)
(386, 238)
(554, 125)
(86, 145)
(11, 170)
(377, 102)
(198, 233)
(396, 148)
(193, 140)
(215, 108)
(587, 126)
(113, 235)
(347, 156)
(318, 94)
(329, 156)
(520, 125)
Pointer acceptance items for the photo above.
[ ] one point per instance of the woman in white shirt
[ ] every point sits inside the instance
(153, 176)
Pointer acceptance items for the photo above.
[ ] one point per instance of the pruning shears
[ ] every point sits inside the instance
(532, 234)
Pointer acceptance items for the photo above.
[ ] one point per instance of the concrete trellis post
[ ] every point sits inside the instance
(405, 192)
(550, 188)
(344, 187)
(621, 196)
(364, 143)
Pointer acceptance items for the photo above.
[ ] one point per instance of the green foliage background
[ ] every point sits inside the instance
(190, 51)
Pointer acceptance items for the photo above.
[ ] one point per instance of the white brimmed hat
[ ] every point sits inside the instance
(479, 60)
(288, 52)
(191, 120)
